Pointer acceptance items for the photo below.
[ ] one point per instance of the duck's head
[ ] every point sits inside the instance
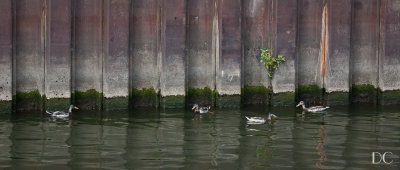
(301, 103)
(195, 106)
(271, 116)
(72, 107)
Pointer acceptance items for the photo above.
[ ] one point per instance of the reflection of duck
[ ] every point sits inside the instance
(198, 109)
(313, 108)
(62, 114)
(260, 120)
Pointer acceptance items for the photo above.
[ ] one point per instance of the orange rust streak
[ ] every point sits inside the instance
(324, 44)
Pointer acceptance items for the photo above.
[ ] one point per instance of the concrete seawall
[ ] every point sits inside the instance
(116, 54)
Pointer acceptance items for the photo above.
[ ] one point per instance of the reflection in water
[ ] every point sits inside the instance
(342, 138)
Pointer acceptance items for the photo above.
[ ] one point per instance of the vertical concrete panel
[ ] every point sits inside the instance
(364, 50)
(173, 36)
(309, 43)
(200, 52)
(58, 54)
(256, 28)
(337, 78)
(29, 54)
(88, 53)
(116, 54)
(389, 68)
(144, 57)
(6, 60)
(229, 53)
(284, 29)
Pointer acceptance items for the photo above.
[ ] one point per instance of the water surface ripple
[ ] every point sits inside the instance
(341, 138)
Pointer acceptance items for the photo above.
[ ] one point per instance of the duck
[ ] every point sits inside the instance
(198, 109)
(62, 114)
(312, 108)
(260, 120)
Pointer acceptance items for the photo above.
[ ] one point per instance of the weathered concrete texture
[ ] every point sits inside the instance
(256, 28)
(337, 64)
(363, 93)
(364, 41)
(200, 48)
(58, 54)
(389, 70)
(228, 53)
(6, 60)
(309, 42)
(29, 54)
(87, 57)
(145, 46)
(146, 97)
(116, 54)
(173, 36)
(255, 95)
(310, 94)
(283, 99)
(284, 43)
(177, 101)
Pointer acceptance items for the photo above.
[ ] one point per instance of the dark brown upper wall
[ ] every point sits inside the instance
(309, 41)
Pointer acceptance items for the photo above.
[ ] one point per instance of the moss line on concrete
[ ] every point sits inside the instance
(172, 102)
(204, 96)
(88, 100)
(29, 100)
(363, 93)
(310, 94)
(116, 103)
(390, 97)
(255, 95)
(146, 97)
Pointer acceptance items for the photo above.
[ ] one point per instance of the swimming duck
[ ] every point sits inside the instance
(198, 109)
(313, 108)
(260, 120)
(62, 114)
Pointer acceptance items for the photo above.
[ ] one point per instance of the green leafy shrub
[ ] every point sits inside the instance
(271, 63)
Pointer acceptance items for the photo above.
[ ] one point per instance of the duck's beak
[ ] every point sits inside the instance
(193, 107)
(274, 116)
(298, 105)
(76, 108)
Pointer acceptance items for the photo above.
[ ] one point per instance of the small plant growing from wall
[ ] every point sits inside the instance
(271, 63)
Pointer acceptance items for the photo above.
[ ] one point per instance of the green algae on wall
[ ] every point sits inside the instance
(204, 96)
(5, 106)
(337, 98)
(389, 97)
(310, 94)
(88, 100)
(116, 103)
(228, 101)
(57, 104)
(363, 93)
(146, 97)
(283, 99)
(29, 100)
(172, 102)
(254, 95)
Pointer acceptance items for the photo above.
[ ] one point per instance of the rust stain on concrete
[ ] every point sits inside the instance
(324, 42)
